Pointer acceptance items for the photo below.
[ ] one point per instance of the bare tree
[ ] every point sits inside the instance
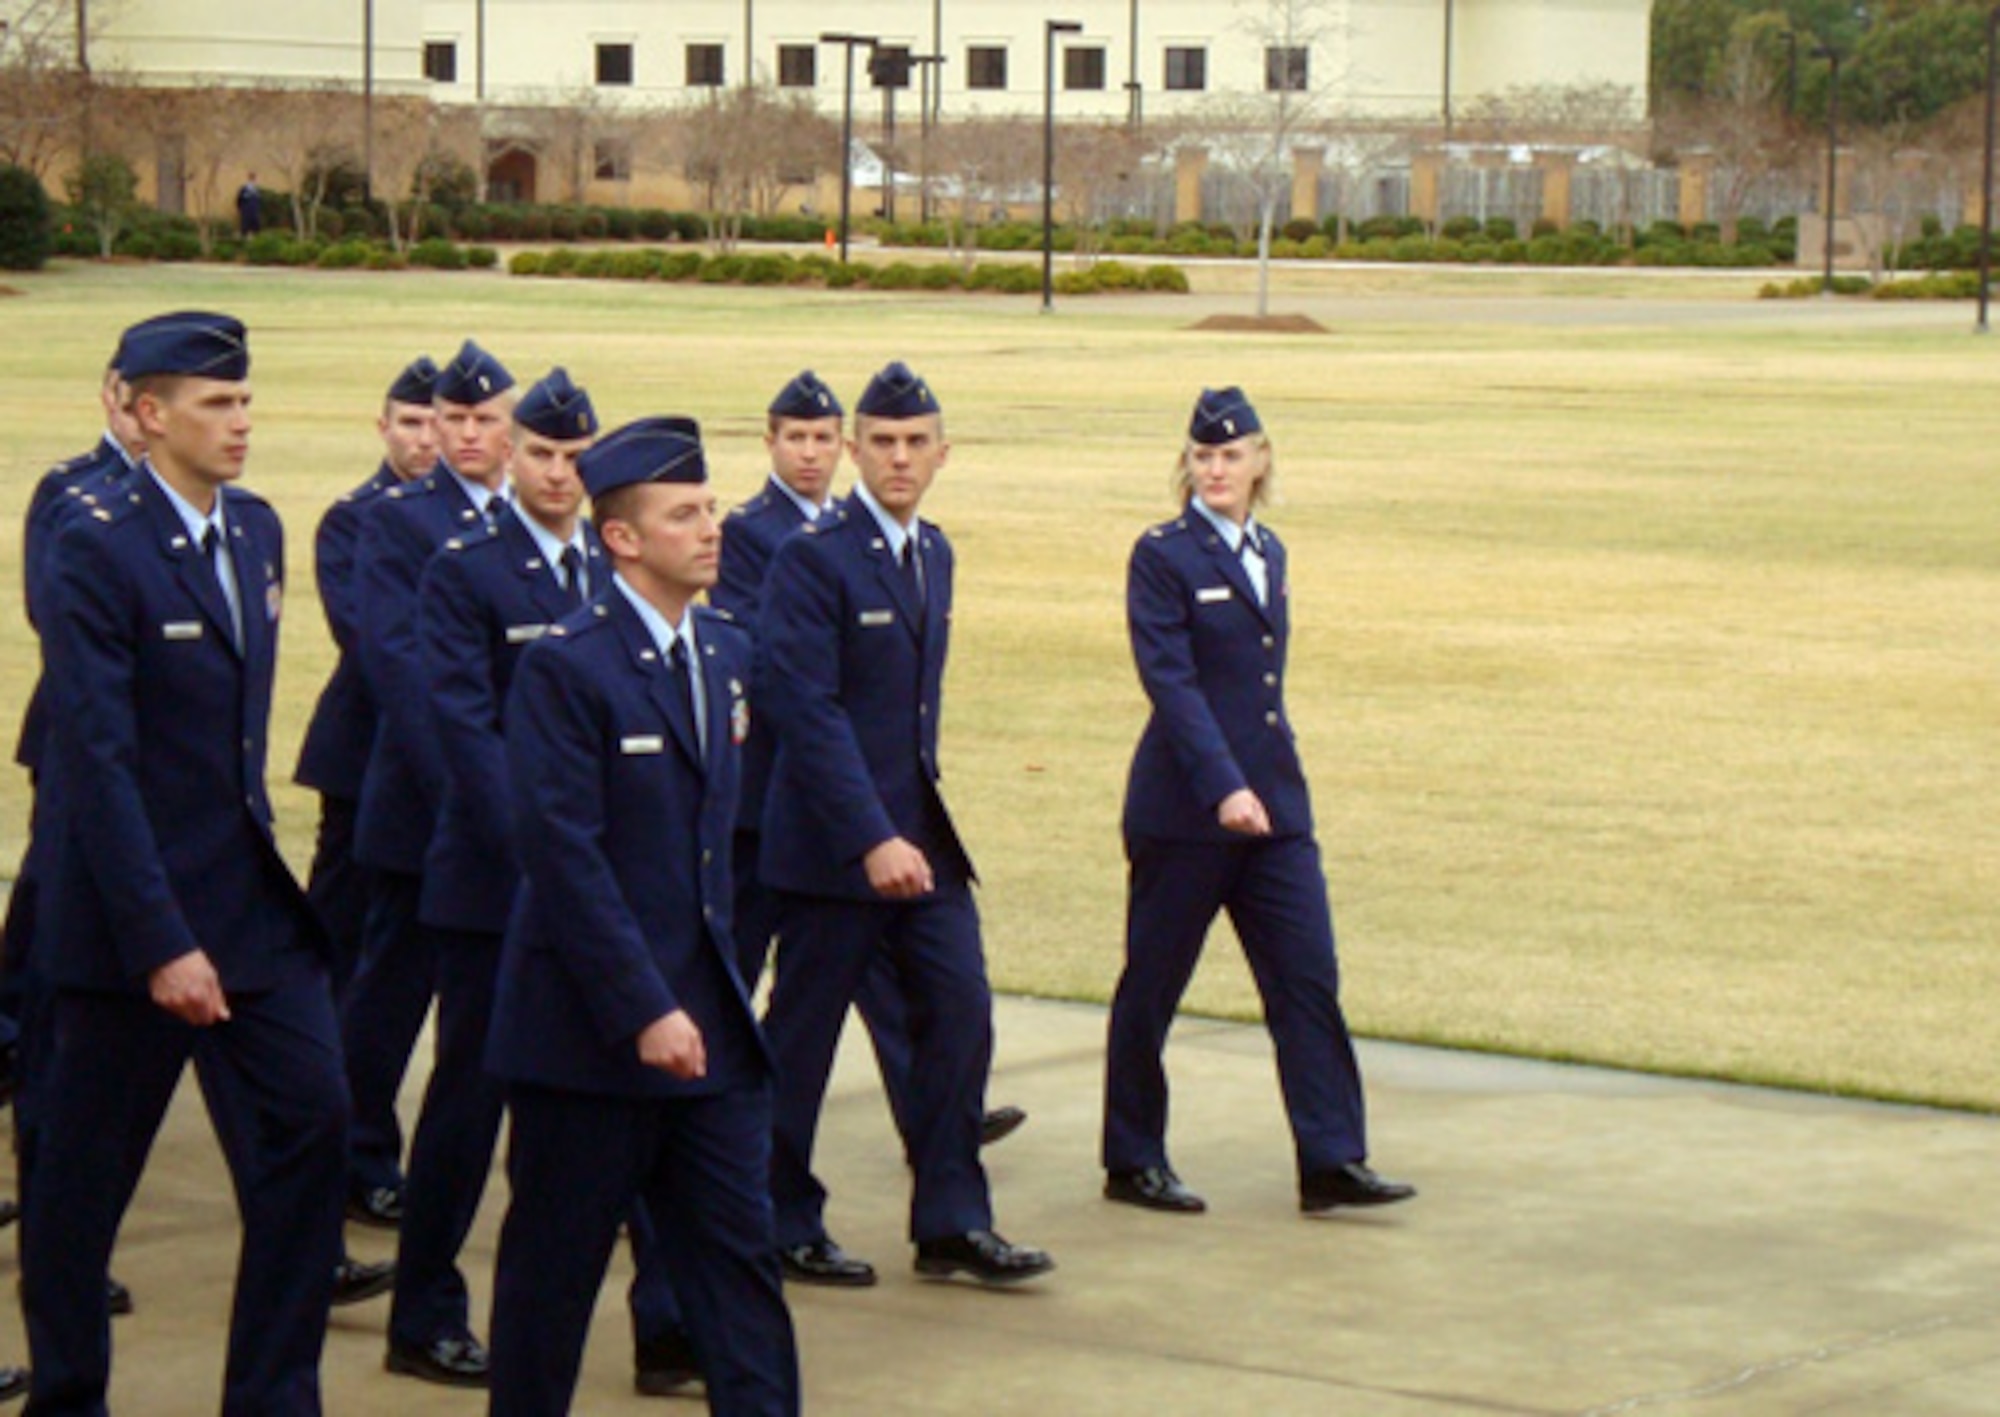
(1259, 131)
(303, 136)
(988, 164)
(1742, 125)
(1097, 166)
(744, 149)
(43, 94)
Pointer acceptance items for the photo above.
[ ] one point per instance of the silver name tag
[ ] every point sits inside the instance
(521, 634)
(1209, 595)
(644, 743)
(181, 630)
(871, 618)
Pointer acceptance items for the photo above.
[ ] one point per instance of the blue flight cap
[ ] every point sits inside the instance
(472, 377)
(646, 450)
(415, 383)
(557, 408)
(1223, 416)
(186, 342)
(806, 397)
(897, 392)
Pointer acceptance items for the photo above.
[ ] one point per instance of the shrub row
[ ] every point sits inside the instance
(1938, 285)
(765, 268)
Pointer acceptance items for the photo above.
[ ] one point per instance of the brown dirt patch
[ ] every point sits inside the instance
(1264, 325)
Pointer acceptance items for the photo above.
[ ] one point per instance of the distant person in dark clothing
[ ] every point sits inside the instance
(249, 207)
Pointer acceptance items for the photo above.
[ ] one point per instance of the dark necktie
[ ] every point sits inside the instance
(913, 577)
(211, 547)
(572, 564)
(684, 680)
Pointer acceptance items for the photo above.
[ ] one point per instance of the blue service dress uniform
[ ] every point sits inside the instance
(162, 844)
(71, 485)
(334, 755)
(622, 822)
(402, 792)
(484, 598)
(1211, 656)
(851, 673)
(750, 536)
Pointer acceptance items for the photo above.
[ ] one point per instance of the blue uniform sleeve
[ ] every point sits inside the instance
(1159, 618)
(93, 654)
(334, 570)
(798, 686)
(463, 682)
(393, 552)
(739, 583)
(557, 735)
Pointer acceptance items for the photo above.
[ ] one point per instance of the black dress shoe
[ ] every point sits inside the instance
(1155, 1188)
(379, 1206)
(666, 1365)
(13, 1383)
(983, 1255)
(1349, 1185)
(117, 1297)
(454, 1362)
(1000, 1123)
(354, 1281)
(823, 1262)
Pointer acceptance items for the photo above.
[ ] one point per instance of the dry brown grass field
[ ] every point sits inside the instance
(1645, 634)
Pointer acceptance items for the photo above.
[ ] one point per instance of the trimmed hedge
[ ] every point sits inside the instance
(27, 228)
(738, 268)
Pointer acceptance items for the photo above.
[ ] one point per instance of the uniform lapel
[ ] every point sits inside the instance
(193, 569)
(890, 574)
(524, 553)
(668, 694)
(253, 592)
(1230, 564)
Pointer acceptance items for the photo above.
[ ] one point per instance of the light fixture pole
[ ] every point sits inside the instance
(1986, 169)
(929, 69)
(1135, 91)
(1051, 29)
(1832, 57)
(849, 42)
(367, 101)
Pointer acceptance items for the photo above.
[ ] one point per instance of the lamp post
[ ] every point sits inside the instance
(1832, 57)
(1450, 19)
(929, 66)
(849, 43)
(1986, 169)
(1051, 28)
(1135, 108)
(367, 101)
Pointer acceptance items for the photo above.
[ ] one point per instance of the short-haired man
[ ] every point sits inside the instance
(484, 598)
(403, 787)
(803, 437)
(334, 755)
(176, 930)
(76, 485)
(854, 633)
(634, 1064)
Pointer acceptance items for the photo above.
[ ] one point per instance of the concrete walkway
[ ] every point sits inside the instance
(1586, 1242)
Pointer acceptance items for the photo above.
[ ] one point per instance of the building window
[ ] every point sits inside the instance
(889, 66)
(1286, 69)
(1083, 67)
(614, 64)
(613, 161)
(798, 66)
(986, 66)
(1187, 70)
(704, 66)
(441, 61)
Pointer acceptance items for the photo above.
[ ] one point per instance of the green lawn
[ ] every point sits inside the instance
(1645, 661)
